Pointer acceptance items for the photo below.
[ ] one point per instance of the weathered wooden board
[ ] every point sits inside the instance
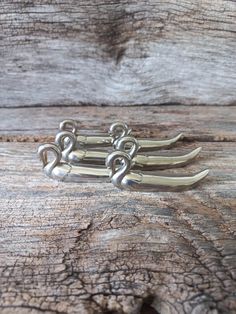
(201, 123)
(117, 52)
(89, 248)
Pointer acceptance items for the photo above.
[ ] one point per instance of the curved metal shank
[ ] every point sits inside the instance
(62, 171)
(149, 183)
(139, 162)
(116, 131)
(147, 145)
(93, 141)
(107, 141)
(85, 157)
(164, 162)
(123, 178)
(67, 173)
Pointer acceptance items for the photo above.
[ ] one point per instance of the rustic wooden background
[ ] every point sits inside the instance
(90, 248)
(118, 52)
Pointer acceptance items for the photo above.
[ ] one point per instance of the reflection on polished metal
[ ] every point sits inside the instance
(147, 145)
(63, 171)
(122, 178)
(71, 160)
(83, 156)
(117, 130)
(154, 162)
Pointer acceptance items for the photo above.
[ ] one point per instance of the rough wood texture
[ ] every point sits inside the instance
(89, 248)
(117, 52)
(198, 123)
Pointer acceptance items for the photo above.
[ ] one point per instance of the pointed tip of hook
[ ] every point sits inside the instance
(196, 151)
(206, 171)
(201, 175)
(179, 136)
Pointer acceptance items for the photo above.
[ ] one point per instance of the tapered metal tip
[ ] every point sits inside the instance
(179, 136)
(201, 175)
(195, 152)
(198, 149)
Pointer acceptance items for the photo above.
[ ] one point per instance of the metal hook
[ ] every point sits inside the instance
(43, 151)
(62, 171)
(97, 157)
(116, 131)
(67, 142)
(69, 125)
(132, 144)
(123, 178)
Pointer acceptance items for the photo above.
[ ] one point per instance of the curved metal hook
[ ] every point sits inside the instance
(43, 155)
(60, 140)
(123, 178)
(69, 125)
(122, 143)
(152, 144)
(115, 156)
(119, 129)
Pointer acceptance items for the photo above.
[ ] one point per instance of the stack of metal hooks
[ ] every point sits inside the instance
(115, 156)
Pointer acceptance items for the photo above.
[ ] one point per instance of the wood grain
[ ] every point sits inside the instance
(117, 52)
(197, 123)
(90, 248)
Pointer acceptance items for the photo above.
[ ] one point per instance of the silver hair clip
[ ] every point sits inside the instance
(83, 156)
(116, 131)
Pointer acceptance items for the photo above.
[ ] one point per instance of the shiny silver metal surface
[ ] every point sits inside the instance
(147, 162)
(151, 145)
(128, 144)
(123, 178)
(72, 147)
(62, 171)
(117, 130)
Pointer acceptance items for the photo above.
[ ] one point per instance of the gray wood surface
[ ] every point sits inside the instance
(90, 248)
(201, 123)
(117, 52)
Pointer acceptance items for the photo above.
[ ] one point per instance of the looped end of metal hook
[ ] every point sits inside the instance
(128, 144)
(119, 129)
(62, 136)
(44, 149)
(69, 125)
